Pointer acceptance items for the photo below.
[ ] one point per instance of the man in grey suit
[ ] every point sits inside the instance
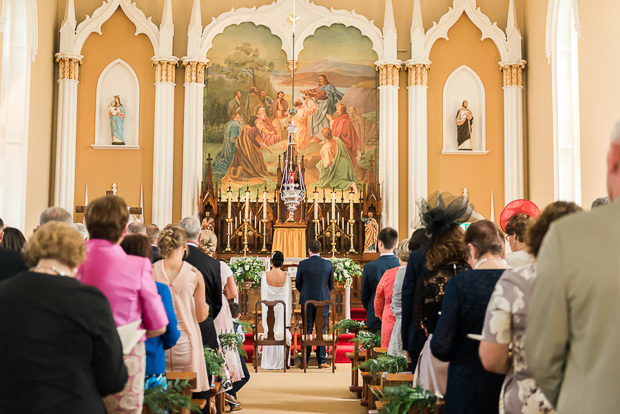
(573, 333)
(314, 280)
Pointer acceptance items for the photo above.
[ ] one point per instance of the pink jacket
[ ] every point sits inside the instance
(126, 281)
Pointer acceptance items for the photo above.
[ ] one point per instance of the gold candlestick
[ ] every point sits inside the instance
(316, 228)
(350, 236)
(335, 233)
(246, 231)
(264, 221)
(228, 230)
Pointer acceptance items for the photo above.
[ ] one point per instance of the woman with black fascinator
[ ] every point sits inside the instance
(446, 257)
(276, 285)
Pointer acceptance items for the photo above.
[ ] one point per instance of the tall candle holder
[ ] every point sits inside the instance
(228, 230)
(316, 227)
(247, 231)
(350, 236)
(264, 221)
(333, 231)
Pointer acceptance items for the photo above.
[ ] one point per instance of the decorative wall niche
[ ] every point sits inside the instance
(464, 85)
(118, 108)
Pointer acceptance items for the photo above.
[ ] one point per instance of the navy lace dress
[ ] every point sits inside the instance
(471, 389)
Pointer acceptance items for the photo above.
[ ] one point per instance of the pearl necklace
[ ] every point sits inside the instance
(59, 272)
(481, 262)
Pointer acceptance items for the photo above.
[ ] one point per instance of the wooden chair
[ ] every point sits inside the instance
(319, 338)
(270, 340)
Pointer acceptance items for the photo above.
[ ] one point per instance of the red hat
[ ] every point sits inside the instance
(515, 207)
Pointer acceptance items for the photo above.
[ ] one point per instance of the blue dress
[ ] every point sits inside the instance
(471, 389)
(155, 347)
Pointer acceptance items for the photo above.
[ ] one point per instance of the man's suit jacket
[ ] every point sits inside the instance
(11, 263)
(210, 269)
(572, 331)
(413, 342)
(371, 275)
(155, 257)
(314, 279)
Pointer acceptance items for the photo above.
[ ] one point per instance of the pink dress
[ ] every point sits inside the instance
(383, 308)
(187, 355)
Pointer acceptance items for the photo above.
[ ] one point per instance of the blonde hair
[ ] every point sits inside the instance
(56, 240)
(402, 251)
(208, 242)
(171, 238)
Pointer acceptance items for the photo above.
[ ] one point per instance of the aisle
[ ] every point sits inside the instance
(317, 391)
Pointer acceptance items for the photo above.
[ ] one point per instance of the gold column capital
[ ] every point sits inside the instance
(164, 70)
(388, 74)
(195, 71)
(418, 74)
(513, 74)
(68, 67)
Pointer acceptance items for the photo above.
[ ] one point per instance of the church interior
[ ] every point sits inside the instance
(281, 122)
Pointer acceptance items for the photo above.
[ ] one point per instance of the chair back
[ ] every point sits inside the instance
(271, 317)
(319, 318)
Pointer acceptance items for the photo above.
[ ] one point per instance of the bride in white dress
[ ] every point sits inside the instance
(276, 285)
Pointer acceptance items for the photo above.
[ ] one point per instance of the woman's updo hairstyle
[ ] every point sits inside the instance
(207, 242)
(277, 258)
(486, 237)
(171, 238)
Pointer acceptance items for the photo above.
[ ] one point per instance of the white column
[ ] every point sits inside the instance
(64, 186)
(417, 185)
(192, 135)
(513, 131)
(388, 139)
(163, 141)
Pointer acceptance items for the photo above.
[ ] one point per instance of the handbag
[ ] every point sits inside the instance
(430, 372)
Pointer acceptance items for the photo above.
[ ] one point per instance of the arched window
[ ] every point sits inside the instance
(562, 52)
(18, 50)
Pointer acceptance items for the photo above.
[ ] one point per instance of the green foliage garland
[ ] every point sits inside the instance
(346, 325)
(230, 341)
(401, 398)
(367, 340)
(385, 363)
(214, 362)
(162, 401)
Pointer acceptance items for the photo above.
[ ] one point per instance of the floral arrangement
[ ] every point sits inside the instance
(214, 362)
(367, 340)
(347, 325)
(247, 269)
(162, 400)
(345, 270)
(385, 363)
(402, 398)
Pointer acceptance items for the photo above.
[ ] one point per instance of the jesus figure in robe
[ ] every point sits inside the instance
(326, 97)
(343, 128)
(335, 167)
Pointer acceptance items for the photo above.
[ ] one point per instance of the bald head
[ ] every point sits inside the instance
(136, 228)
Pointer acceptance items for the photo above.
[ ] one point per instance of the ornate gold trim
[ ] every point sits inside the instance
(418, 74)
(291, 65)
(388, 74)
(513, 74)
(164, 70)
(194, 71)
(68, 68)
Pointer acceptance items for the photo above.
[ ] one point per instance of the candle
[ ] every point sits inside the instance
(333, 205)
(264, 205)
(229, 203)
(291, 178)
(247, 205)
(351, 206)
(316, 205)
(235, 222)
(338, 215)
(323, 222)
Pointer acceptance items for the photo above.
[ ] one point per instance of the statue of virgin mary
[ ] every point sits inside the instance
(116, 112)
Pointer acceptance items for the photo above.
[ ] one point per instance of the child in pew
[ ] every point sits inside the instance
(235, 406)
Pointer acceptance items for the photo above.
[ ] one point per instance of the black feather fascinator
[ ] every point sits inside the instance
(442, 211)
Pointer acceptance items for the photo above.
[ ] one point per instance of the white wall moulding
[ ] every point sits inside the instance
(464, 84)
(73, 36)
(19, 48)
(115, 147)
(465, 153)
(117, 84)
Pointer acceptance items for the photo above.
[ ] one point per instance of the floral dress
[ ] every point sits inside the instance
(505, 323)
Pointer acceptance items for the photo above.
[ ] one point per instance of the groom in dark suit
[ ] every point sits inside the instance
(373, 271)
(314, 280)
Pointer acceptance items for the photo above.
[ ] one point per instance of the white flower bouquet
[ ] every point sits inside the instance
(345, 270)
(247, 269)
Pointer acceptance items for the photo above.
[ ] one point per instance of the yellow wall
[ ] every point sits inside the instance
(478, 173)
(127, 168)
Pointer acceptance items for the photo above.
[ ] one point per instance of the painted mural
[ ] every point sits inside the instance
(249, 92)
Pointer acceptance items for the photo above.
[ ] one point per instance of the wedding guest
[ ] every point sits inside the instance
(136, 227)
(224, 321)
(599, 202)
(572, 331)
(471, 389)
(188, 298)
(395, 346)
(505, 323)
(81, 228)
(60, 352)
(13, 239)
(155, 373)
(515, 235)
(373, 271)
(384, 296)
(55, 214)
(152, 233)
(128, 284)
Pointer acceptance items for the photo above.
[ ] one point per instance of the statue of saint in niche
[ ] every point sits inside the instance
(464, 121)
(371, 232)
(116, 112)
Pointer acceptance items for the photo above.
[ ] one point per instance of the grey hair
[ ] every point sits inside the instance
(136, 228)
(55, 214)
(601, 201)
(191, 225)
(81, 228)
(615, 134)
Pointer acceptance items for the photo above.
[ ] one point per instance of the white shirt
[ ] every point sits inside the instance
(386, 254)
